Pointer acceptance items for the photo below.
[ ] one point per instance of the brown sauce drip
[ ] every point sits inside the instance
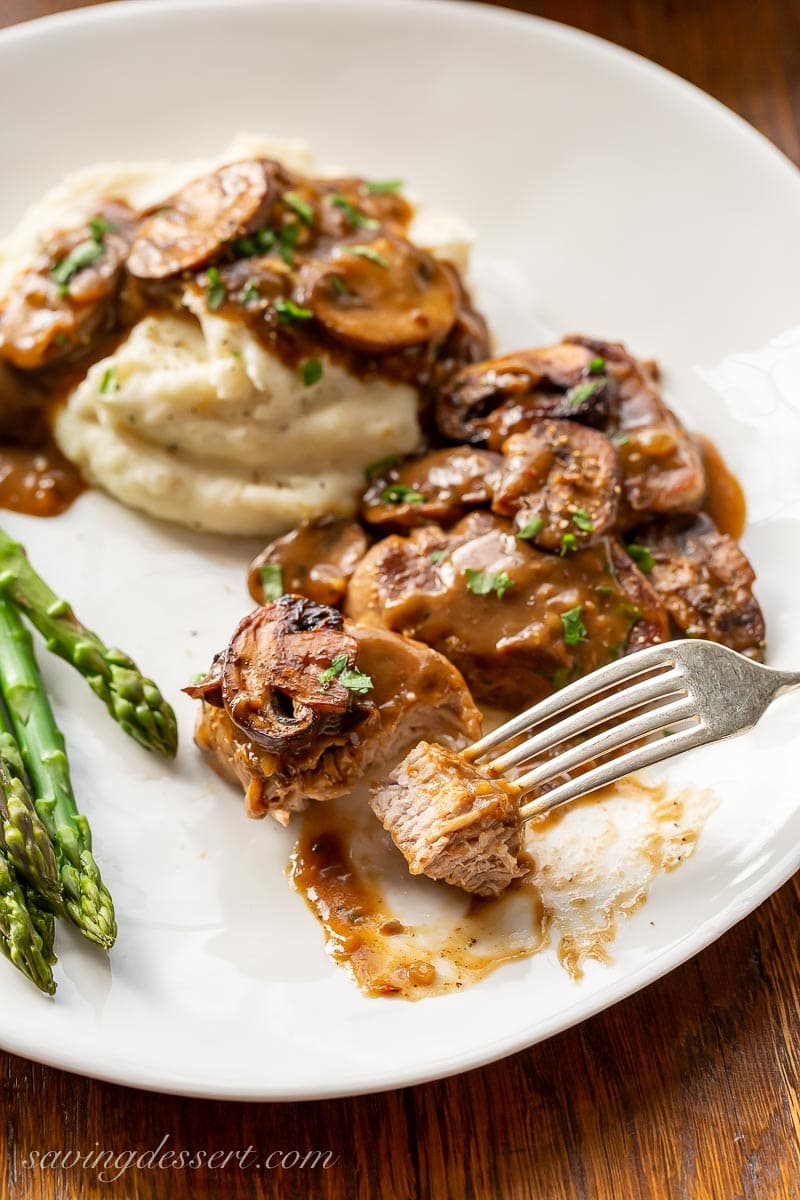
(593, 863)
(38, 481)
(725, 501)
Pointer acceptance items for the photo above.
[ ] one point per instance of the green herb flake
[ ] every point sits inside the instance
(560, 677)
(354, 215)
(568, 542)
(271, 577)
(109, 381)
(582, 520)
(216, 293)
(597, 365)
(312, 371)
(260, 242)
(82, 256)
(286, 242)
(198, 677)
(377, 467)
(349, 677)
(398, 493)
(620, 439)
(641, 556)
(303, 209)
(61, 340)
(249, 292)
(100, 226)
(574, 628)
(531, 528)
(584, 391)
(288, 311)
(437, 555)
(481, 583)
(383, 187)
(367, 252)
(338, 285)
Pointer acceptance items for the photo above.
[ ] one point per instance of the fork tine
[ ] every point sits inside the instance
(582, 689)
(634, 760)
(609, 740)
(658, 687)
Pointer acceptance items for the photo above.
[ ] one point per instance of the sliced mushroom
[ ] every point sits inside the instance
(315, 560)
(46, 319)
(275, 685)
(347, 205)
(440, 486)
(209, 688)
(380, 296)
(560, 481)
(706, 582)
(188, 231)
(650, 618)
(563, 381)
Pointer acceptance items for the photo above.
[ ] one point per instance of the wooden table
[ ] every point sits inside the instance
(687, 1090)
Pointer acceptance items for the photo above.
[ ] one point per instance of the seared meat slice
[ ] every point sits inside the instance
(560, 481)
(662, 467)
(552, 381)
(380, 297)
(314, 560)
(197, 223)
(55, 308)
(440, 486)
(451, 820)
(516, 621)
(414, 691)
(705, 582)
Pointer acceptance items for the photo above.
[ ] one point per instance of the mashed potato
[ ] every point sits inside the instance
(205, 426)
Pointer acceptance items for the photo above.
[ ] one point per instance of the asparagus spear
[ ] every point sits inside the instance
(86, 900)
(133, 701)
(44, 922)
(22, 835)
(20, 940)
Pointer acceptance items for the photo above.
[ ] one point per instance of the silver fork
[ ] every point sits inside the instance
(694, 691)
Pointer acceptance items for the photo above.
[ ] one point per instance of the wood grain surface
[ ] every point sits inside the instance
(687, 1091)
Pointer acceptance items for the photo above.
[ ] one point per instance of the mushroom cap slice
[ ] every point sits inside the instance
(188, 231)
(380, 296)
(560, 480)
(440, 486)
(316, 559)
(273, 682)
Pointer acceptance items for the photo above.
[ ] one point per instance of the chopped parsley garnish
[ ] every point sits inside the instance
(437, 555)
(584, 391)
(198, 677)
(271, 581)
(568, 542)
(597, 365)
(368, 253)
(100, 226)
(481, 583)
(288, 311)
(574, 628)
(338, 285)
(303, 209)
(61, 340)
(381, 187)
(349, 677)
(312, 371)
(641, 556)
(354, 215)
(260, 242)
(560, 677)
(249, 292)
(620, 439)
(531, 528)
(109, 381)
(582, 520)
(375, 468)
(217, 293)
(398, 493)
(286, 242)
(82, 256)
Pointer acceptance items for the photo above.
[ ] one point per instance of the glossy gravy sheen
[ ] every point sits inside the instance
(398, 935)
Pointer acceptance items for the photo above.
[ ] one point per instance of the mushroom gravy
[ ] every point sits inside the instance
(593, 862)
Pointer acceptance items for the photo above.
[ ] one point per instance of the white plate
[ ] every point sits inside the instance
(609, 197)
